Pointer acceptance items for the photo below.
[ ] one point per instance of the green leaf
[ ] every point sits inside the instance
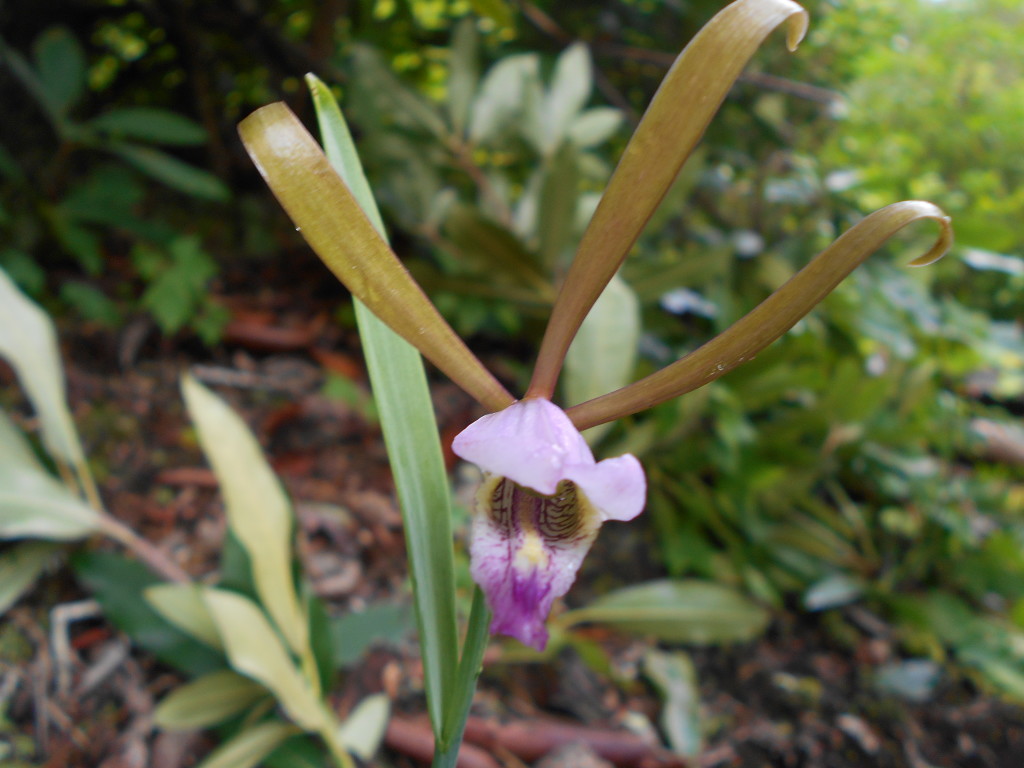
(490, 250)
(183, 606)
(20, 566)
(362, 731)
(603, 355)
(833, 591)
(684, 611)
(258, 510)
(159, 126)
(410, 433)
(205, 702)
(676, 679)
(61, 66)
(556, 214)
(177, 289)
(28, 341)
(497, 11)
(173, 172)
(334, 224)
(674, 122)
(463, 73)
(352, 634)
(248, 748)
(32, 502)
(504, 97)
(570, 88)
(119, 585)
(91, 303)
(594, 126)
(254, 649)
(405, 101)
(81, 242)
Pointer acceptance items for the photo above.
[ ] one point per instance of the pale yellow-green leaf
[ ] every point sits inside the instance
(331, 220)
(683, 610)
(744, 339)
(32, 502)
(363, 730)
(248, 748)
(207, 701)
(674, 675)
(258, 511)
(29, 343)
(255, 650)
(674, 122)
(20, 565)
(183, 606)
(603, 355)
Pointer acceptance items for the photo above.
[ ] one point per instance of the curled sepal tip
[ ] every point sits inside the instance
(673, 124)
(331, 220)
(772, 317)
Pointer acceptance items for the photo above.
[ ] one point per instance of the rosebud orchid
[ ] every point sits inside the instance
(539, 508)
(544, 496)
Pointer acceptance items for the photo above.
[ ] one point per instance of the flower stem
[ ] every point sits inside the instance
(446, 749)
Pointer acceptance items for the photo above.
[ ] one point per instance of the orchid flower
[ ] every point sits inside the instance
(544, 496)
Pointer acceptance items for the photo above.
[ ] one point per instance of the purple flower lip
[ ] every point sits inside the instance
(539, 509)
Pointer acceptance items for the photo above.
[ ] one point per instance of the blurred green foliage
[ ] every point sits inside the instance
(850, 463)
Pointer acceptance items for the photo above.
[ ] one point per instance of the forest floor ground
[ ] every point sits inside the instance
(803, 695)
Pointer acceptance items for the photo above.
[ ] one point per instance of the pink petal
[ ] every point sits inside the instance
(616, 487)
(531, 442)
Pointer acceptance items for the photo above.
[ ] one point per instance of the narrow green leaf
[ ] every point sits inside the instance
(410, 433)
(28, 342)
(772, 317)
(248, 748)
(173, 172)
(407, 102)
(603, 355)
(676, 119)
(160, 126)
(556, 214)
(463, 73)
(446, 750)
(20, 566)
(32, 502)
(338, 230)
(258, 510)
(255, 650)
(183, 606)
(205, 702)
(686, 611)
(362, 731)
(490, 250)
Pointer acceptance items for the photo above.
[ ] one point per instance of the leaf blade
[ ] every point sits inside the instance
(403, 398)
(258, 510)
